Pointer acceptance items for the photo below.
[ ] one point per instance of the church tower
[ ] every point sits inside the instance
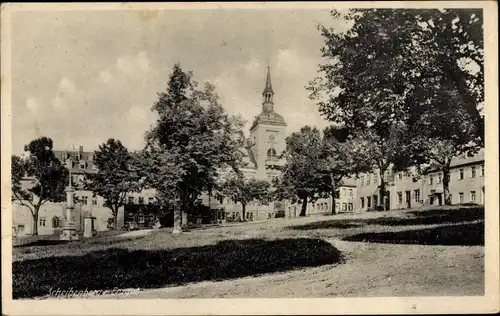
(268, 134)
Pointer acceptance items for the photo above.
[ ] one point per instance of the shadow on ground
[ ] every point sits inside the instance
(427, 217)
(120, 268)
(467, 234)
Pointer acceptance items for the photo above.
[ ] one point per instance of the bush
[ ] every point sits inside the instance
(120, 268)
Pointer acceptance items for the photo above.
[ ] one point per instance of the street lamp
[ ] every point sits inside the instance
(69, 228)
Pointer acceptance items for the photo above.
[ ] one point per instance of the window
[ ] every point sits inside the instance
(337, 205)
(482, 170)
(85, 200)
(131, 200)
(94, 201)
(271, 153)
(43, 221)
(344, 206)
(374, 200)
(56, 222)
(460, 197)
(473, 171)
(473, 196)
(350, 192)
(94, 167)
(431, 178)
(368, 178)
(362, 181)
(375, 179)
(343, 192)
(400, 197)
(82, 164)
(151, 200)
(369, 202)
(349, 207)
(20, 228)
(461, 174)
(400, 176)
(416, 195)
(141, 200)
(439, 177)
(362, 200)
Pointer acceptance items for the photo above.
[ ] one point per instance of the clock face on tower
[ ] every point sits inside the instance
(271, 138)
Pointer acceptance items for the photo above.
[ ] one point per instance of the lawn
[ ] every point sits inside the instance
(432, 252)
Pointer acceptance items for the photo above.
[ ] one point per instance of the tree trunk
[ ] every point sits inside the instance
(243, 211)
(115, 219)
(304, 207)
(446, 188)
(34, 225)
(334, 211)
(381, 189)
(177, 219)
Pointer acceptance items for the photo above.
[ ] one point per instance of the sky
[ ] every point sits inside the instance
(81, 77)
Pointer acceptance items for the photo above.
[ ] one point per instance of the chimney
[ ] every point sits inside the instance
(80, 153)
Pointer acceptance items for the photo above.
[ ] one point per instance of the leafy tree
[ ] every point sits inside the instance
(340, 160)
(115, 176)
(46, 175)
(444, 135)
(193, 137)
(384, 78)
(301, 176)
(244, 191)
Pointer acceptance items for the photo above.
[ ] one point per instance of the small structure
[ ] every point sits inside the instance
(69, 228)
(88, 225)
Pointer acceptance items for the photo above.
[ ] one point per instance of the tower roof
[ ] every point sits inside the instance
(269, 86)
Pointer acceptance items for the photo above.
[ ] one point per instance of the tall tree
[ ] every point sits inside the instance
(387, 72)
(242, 190)
(193, 135)
(301, 176)
(47, 178)
(341, 159)
(115, 176)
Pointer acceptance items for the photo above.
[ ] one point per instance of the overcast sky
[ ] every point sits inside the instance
(83, 77)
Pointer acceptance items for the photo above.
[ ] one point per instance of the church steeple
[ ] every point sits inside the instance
(268, 92)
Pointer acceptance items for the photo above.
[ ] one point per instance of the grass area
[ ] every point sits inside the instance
(231, 252)
(119, 268)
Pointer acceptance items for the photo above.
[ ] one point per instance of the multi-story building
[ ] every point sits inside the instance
(409, 189)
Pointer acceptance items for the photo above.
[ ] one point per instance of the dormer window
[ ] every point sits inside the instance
(82, 164)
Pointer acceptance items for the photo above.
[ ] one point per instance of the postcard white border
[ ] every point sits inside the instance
(488, 303)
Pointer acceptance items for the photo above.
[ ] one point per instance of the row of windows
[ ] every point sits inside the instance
(416, 196)
(369, 200)
(472, 196)
(405, 175)
(461, 174)
(345, 206)
(56, 222)
(131, 200)
(344, 192)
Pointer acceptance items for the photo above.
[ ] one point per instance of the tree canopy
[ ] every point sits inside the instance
(192, 138)
(116, 175)
(46, 177)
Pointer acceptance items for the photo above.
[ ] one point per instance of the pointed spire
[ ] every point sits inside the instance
(269, 86)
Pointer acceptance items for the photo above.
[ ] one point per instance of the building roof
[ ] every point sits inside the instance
(465, 160)
(268, 118)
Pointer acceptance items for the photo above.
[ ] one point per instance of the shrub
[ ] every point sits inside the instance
(120, 268)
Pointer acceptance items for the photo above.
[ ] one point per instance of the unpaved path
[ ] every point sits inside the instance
(370, 270)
